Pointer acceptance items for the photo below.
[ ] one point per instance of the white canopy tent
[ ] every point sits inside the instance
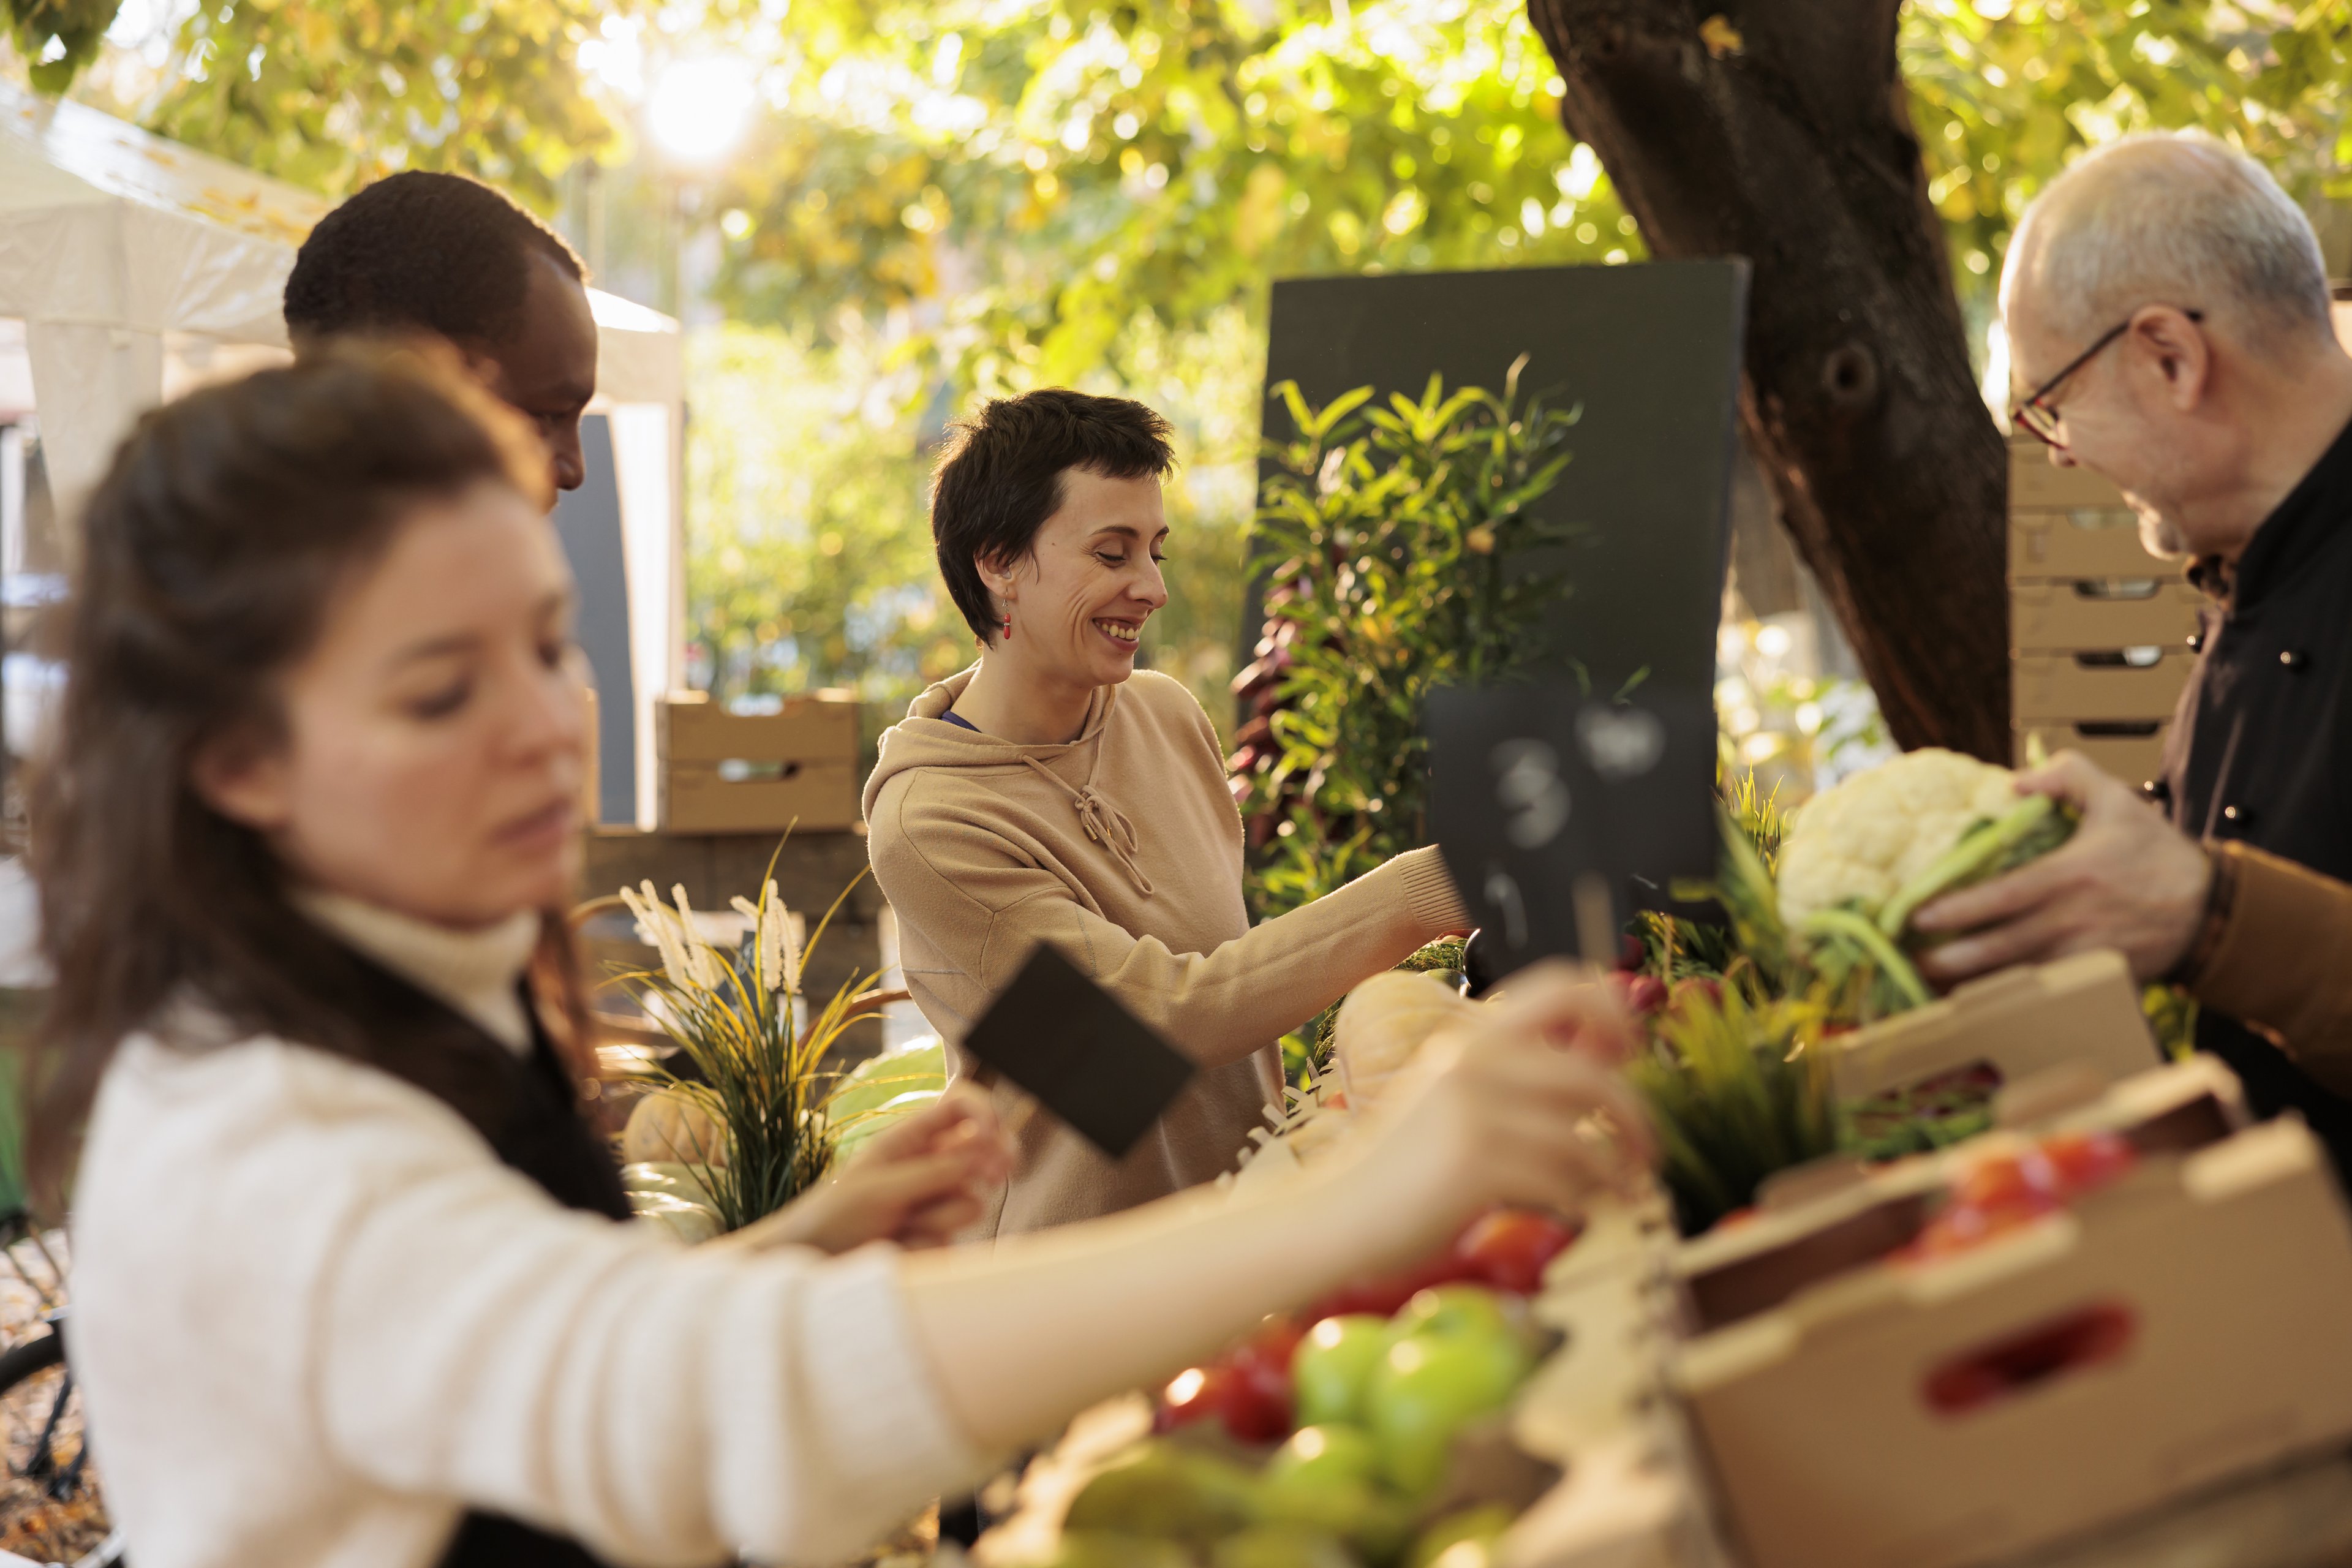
(132, 269)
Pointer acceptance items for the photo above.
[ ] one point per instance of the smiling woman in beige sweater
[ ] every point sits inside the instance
(1052, 793)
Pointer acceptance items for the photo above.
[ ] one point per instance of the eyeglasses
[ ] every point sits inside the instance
(2036, 414)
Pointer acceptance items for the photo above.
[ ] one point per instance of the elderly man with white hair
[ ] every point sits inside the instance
(2169, 324)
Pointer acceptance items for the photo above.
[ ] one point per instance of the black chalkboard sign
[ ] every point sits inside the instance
(1651, 352)
(1559, 816)
(1076, 1051)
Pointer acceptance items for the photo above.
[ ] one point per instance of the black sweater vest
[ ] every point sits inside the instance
(526, 1109)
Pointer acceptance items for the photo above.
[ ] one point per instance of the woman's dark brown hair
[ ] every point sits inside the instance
(1001, 478)
(212, 553)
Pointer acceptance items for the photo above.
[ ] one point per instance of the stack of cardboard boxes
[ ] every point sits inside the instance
(2100, 630)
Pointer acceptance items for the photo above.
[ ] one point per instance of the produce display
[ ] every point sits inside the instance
(1817, 941)
(1355, 1433)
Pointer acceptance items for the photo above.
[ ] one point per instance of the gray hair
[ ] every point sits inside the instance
(2175, 218)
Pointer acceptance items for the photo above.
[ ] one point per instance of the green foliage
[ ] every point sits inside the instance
(1925, 1117)
(59, 37)
(331, 94)
(2171, 1016)
(1393, 543)
(760, 1070)
(2004, 92)
(1734, 1095)
(810, 564)
(1060, 177)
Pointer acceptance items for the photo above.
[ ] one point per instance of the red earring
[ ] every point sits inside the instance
(1008, 628)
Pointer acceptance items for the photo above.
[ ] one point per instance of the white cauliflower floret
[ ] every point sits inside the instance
(1866, 840)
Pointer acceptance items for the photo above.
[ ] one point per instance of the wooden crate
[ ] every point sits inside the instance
(2081, 542)
(2102, 614)
(2132, 750)
(2074, 687)
(743, 773)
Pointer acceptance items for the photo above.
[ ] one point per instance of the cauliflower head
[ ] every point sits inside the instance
(1858, 844)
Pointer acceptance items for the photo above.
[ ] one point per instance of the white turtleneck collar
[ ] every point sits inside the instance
(473, 971)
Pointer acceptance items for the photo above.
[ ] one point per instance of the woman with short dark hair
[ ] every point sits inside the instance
(1052, 793)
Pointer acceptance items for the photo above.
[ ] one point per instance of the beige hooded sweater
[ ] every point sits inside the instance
(1123, 849)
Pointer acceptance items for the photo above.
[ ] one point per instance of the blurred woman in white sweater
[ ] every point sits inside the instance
(352, 1283)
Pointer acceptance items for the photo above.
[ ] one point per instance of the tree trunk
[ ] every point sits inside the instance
(1781, 132)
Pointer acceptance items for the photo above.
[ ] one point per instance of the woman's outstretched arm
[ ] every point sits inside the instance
(1022, 1336)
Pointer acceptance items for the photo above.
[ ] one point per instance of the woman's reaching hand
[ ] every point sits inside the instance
(918, 1183)
(1525, 1107)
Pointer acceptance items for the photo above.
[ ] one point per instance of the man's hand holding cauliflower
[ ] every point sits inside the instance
(2128, 879)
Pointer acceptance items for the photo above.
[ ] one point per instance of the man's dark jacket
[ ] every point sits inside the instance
(2261, 749)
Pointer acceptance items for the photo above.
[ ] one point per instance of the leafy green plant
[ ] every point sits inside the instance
(1393, 540)
(1736, 1094)
(761, 1067)
(58, 37)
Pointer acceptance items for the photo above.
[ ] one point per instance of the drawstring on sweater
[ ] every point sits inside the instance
(1105, 823)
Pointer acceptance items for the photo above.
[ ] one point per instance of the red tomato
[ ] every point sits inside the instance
(1381, 1298)
(1249, 1389)
(1258, 1406)
(1643, 994)
(2001, 1180)
(1963, 1225)
(1508, 1249)
(2084, 1162)
(1193, 1395)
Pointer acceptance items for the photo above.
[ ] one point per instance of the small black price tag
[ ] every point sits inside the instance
(1559, 814)
(1068, 1044)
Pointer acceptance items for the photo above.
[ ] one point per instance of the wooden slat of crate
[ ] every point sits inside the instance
(2061, 685)
(2135, 758)
(818, 795)
(2080, 542)
(807, 728)
(2102, 612)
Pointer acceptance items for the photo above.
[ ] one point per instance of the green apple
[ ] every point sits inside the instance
(1483, 1523)
(1453, 1309)
(1103, 1549)
(1167, 1493)
(1282, 1546)
(1320, 1456)
(1332, 1365)
(1329, 1478)
(1325, 1477)
(1431, 1385)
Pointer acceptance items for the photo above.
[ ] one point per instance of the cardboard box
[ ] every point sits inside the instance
(741, 772)
(2081, 542)
(2130, 749)
(2079, 686)
(2102, 612)
(2082, 1010)
(2182, 1324)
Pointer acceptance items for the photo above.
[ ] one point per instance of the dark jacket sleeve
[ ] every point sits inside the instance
(2279, 958)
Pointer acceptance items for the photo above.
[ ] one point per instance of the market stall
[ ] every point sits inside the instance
(2003, 1277)
(132, 269)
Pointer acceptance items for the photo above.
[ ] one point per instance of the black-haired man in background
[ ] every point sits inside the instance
(447, 255)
